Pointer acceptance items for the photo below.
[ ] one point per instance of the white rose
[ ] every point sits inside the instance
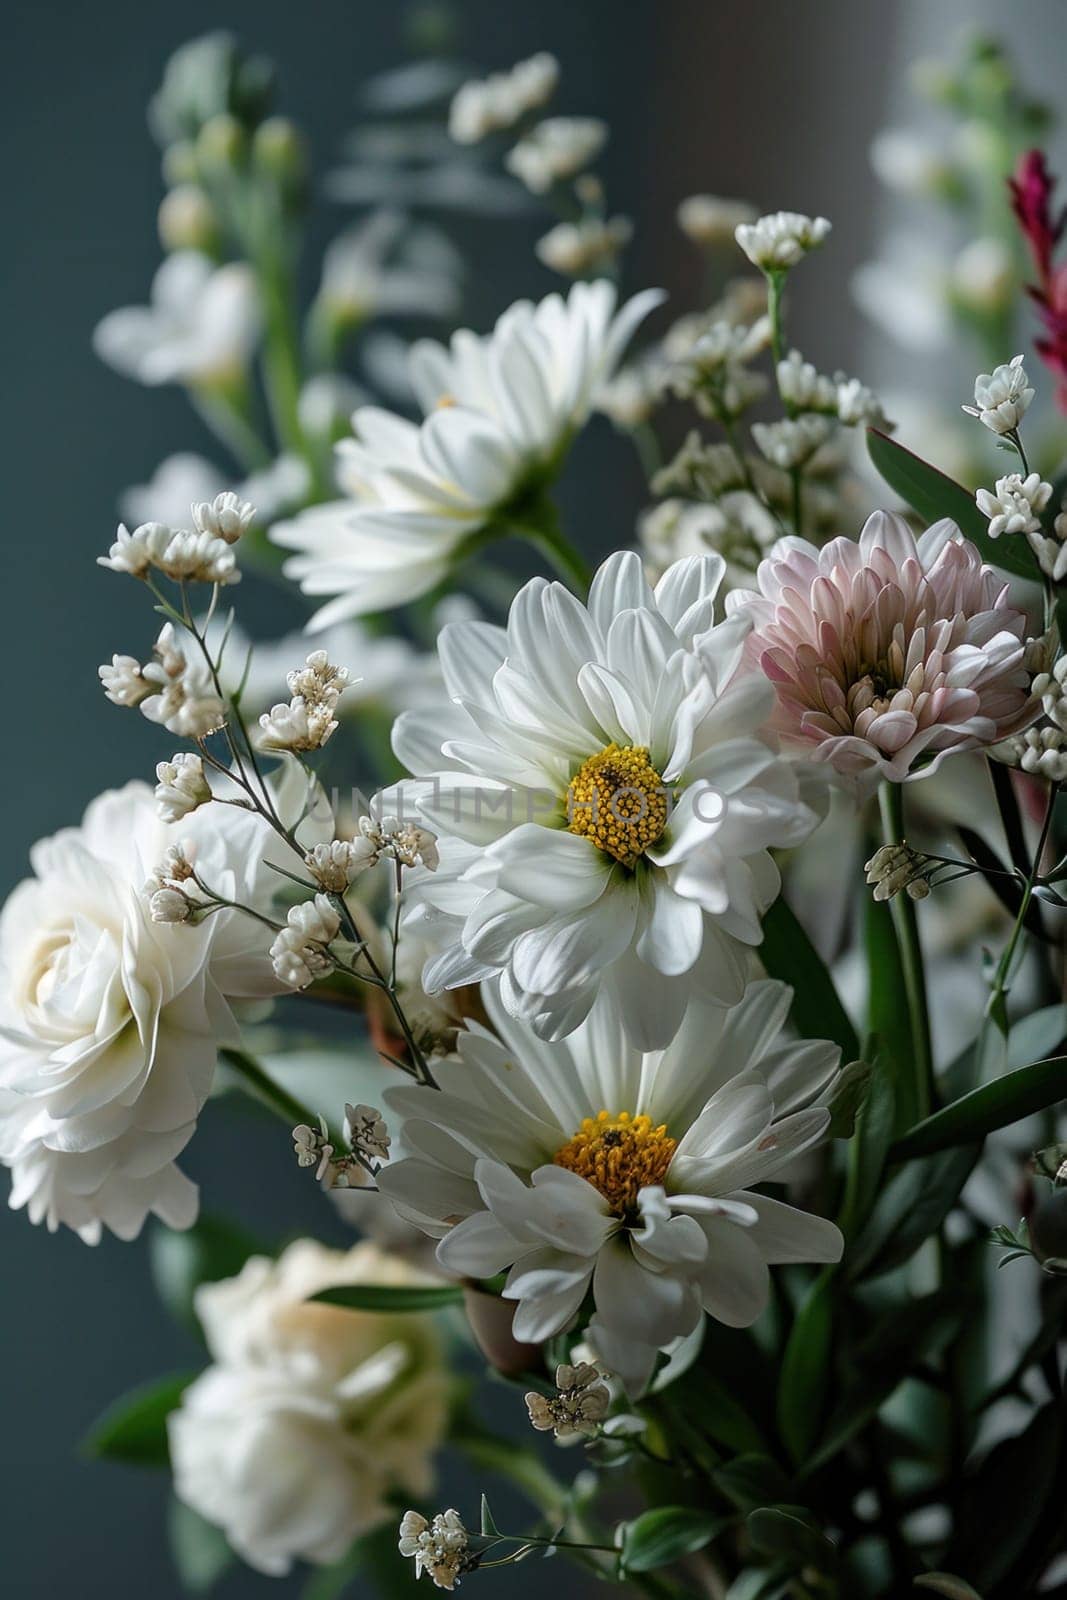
(312, 1415)
(110, 1022)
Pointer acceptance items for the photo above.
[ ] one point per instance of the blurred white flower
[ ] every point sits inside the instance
(781, 239)
(737, 526)
(983, 276)
(184, 698)
(487, 105)
(225, 517)
(1002, 397)
(592, 1166)
(110, 1022)
(580, 249)
(313, 1416)
(386, 267)
(500, 409)
(201, 327)
(709, 220)
(800, 384)
(793, 440)
(124, 681)
(556, 149)
(178, 483)
(908, 163)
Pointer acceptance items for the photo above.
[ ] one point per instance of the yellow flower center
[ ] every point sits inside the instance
(618, 799)
(619, 1156)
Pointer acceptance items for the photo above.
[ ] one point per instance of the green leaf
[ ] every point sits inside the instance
(945, 1583)
(714, 1408)
(780, 1532)
(888, 1016)
(134, 1428)
(752, 1480)
(379, 1297)
(995, 1105)
(213, 1248)
(656, 1538)
(900, 1340)
(805, 1373)
(1001, 1502)
(870, 1145)
(911, 1206)
(488, 1525)
(199, 1550)
(933, 495)
(788, 954)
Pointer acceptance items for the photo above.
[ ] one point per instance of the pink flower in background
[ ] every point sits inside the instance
(1031, 198)
(888, 653)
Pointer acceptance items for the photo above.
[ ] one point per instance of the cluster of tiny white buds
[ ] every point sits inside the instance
(169, 900)
(226, 517)
(700, 471)
(800, 384)
(403, 842)
(440, 1549)
(1002, 397)
(578, 1407)
(308, 721)
(313, 1148)
(778, 241)
(709, 220)
(337, 864)
(1039, 751)
(124, 681)
(299, 953)
(487, 105)
(793, 440)
(581, 249)
(894, 867)
(182, 697)
(1051, 549)
(1014, 504)
(556, 149)
(181, 786)
(857, 405)
(196, 556)
(1052, 689)
(366, 1132)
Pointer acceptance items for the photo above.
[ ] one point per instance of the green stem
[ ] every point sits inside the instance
(996, 1008)
(548, 537)
(891, 803)
(775, 284)
(226, 413)
(263, 1088)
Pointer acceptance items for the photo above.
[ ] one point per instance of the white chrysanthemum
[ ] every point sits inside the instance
(312, 1416)
(606, 799)
(500, 410)
(201, 326)
(588, 1165)
(110, 1021)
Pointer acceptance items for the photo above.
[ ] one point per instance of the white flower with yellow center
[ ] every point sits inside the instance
(500, 413)
(311, 1416)
(605, 799)
(591, 1167)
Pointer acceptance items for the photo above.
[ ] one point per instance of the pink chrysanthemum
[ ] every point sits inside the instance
(888, 653)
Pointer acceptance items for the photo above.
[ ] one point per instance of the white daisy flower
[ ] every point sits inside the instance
(201, 327)
(589, 1166)
(500, 412)
(605, 797)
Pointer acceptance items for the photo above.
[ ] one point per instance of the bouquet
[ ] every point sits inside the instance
(659, 965)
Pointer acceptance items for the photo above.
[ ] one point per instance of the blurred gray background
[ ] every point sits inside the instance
(773, 102)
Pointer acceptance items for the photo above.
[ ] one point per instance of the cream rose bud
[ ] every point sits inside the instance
(312, 1417)
(110, 1020)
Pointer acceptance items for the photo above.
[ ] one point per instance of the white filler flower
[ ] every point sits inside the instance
(200, 328)
(605, 797)
(110, 1022)
(312, 1415)
(588, 1165)
(500, 412)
